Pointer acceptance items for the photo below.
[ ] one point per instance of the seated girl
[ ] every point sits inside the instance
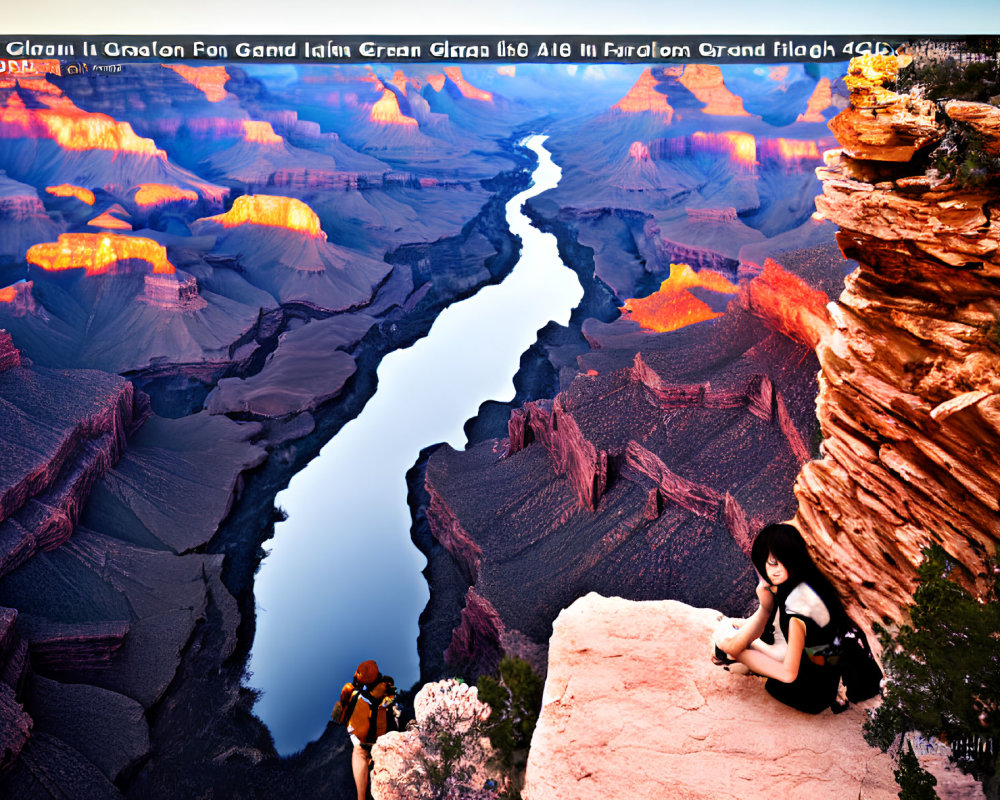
(809, 614)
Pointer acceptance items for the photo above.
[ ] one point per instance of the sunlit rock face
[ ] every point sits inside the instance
(68, 190)
(673, 306)
(18, 299)
(157, 194)
(98, 253)
(880, 125)
(643, 96)
(48, 141)
(278, 212)
(211, 80)
(386, 111)
(706, 83)
(466, 88)
(909, 402)
(71, 127)
(819, 101)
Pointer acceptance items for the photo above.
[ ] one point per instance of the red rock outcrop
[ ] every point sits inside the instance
(158, 194)
(466, 88)
(475, 642)
(909, 403)
(68, 190)
(19, 298)
(10, 356)
(672, 306)
(211, 80)
(880, 125)
(788, 304)
(634, 708)
(53, 459)
(72, 127)
(280, 212)
(386, 111)
(981, 117)
(98, 253)
(643, 96)
(705, 82)
(172, 291)
(819, 101)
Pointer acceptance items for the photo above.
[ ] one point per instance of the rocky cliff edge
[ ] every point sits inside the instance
(633, 707)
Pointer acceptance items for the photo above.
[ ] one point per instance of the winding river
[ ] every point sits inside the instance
(343, 580)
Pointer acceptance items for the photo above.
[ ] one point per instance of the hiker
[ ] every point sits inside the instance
(367, 707)
(809, 616)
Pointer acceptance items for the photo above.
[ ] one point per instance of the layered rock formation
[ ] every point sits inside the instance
(909, 405)
(650, 466)
(634, 708)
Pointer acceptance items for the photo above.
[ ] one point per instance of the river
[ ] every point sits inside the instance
(342, 582)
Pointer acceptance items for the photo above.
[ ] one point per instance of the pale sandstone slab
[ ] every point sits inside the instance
(634, 708)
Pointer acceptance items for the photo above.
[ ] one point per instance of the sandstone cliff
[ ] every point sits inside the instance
(909, 402)
(634, 708)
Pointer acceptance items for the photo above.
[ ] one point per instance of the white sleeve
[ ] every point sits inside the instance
(804, 602)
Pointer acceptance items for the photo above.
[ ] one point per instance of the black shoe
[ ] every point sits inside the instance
(720, 658)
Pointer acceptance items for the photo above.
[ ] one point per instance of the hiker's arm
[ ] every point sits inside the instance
(753, 627)
(786, 670)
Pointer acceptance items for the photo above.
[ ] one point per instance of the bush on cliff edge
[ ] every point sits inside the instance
(943, 671)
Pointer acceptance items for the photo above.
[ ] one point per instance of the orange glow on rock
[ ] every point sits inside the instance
(639, 151)
(436, 81)
(69, 190)
(278, 212)
(705, 82)
(386, 111)
(510, 70)
(741, 147)
(108, 220)
(790, 149)
(7, 294)
(155, 194)
(98, 253)
(466, 88)
(401, 81)
(869, 78)
(672, 306)
(819, 101)
(260, 132)
(644, 97)
(72, 127)
(210, 80)
(789, 305)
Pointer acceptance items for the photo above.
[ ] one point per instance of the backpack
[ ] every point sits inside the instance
(859, 671)
(368, 708)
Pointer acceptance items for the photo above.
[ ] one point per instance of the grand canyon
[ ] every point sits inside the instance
(786, 314)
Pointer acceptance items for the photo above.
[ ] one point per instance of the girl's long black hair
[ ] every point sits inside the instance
(785, 543)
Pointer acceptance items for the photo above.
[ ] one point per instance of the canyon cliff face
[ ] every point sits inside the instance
(633, 707)
(908, 405)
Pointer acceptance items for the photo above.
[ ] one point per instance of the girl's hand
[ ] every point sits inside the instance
(765, 595)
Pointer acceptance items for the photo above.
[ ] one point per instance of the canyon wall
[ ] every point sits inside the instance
(909, 401)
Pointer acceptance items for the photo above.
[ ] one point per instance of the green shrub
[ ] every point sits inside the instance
(915, 783)
(943, 671)
(514, 696)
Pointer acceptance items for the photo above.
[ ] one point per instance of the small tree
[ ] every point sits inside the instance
(915, 783)
(944, 671)
(515, 700)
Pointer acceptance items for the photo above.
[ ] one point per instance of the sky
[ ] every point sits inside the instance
(433, 17)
